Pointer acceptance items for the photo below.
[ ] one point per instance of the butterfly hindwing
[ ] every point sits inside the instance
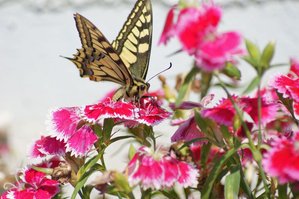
(97, 59)
(133, 43)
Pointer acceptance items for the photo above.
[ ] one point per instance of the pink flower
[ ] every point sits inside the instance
(168, 30)
(268, 110)
(33, 185)
(194, 23)
(146, 112)
(282, 160)
(215, 51)
(47, 146)
(157, 170)
(288, 86)
(196, 29)
(66, 124)
(223, 113)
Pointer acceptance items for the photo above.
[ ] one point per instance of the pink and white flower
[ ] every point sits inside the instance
(288, 86)
(67, 125)
(282, 160)
(33, 185)
(146, 112)
(47, 145)
(157, 170)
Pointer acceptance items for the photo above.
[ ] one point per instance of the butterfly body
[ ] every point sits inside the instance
(126, 60)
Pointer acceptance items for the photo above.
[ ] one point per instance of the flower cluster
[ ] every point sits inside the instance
(33, 184)
(245, 145)
(196, 29)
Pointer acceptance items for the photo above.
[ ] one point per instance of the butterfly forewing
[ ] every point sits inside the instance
(133, 43)
(97, 59)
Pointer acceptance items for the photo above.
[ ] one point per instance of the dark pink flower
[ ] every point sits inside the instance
(216, 50)
(282, 160)
(194, 23)
(288, 86)
(47, 146)
(268, 110)
(67, 124)
(33, 185)
(223, 113)
(168, 30)
(146, 112)
(157, 170)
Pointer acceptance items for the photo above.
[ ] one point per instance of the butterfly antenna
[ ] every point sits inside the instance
(160, 72)
(174, 53)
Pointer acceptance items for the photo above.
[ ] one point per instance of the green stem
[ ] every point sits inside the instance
(257, 156)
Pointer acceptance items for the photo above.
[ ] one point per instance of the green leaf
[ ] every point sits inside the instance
(250, 61)
(87, 190)
(205, 83)
(267, 55)
(232, 185)
(90, 163)
(283, 191)
(184, 88)
(121, 138)
(204, 154)
(253, 50)
(107, 128)
(208, 186)
(253, 84)
(82, 180)
(232, 71)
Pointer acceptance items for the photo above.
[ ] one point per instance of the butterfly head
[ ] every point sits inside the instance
(139, 88)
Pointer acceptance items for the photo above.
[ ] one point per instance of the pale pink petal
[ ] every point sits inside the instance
(47, 146)
(64, 121)
(171, 170)
(81, 142)
(268, 110)
(194, 23)
(215, 53)
(188, 175)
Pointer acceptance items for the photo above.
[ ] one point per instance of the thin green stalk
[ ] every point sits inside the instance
(257, 156)
(259, 108)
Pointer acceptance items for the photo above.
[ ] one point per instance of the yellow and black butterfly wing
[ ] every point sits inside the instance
(97, 59)
(133, 43)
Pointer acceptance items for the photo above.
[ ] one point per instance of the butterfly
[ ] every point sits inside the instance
(125, 61)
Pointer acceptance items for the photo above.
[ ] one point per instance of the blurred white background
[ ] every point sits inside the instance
(34, 79)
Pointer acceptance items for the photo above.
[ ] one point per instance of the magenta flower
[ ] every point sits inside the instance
(194, 24)
(33, 185)
(216, 50)
(146, 112)
(288, 86)
(224, 112)
(48, 146)
(157, 170)
(67, 125)
(168, 30)
(282, 160)
(268, 110)
(196, 29)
